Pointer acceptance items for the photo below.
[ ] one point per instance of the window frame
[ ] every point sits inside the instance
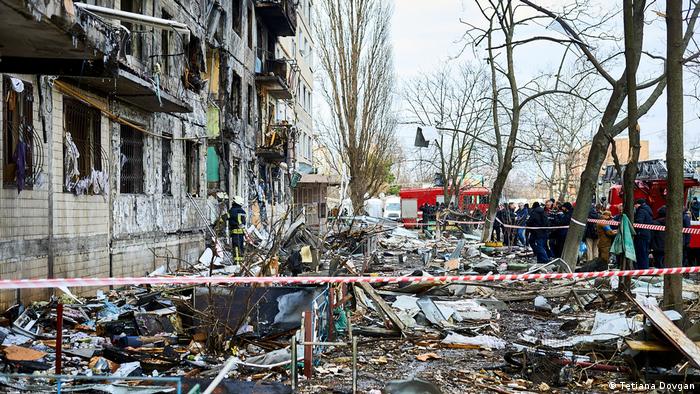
(191, 162)
(9, 145)
(90, 158)
(165, 164)
(131, 141)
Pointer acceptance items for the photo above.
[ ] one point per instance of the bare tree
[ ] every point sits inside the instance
(452, 102)
(509, 97)
(610, 126)
(557, 140)
(356, 59)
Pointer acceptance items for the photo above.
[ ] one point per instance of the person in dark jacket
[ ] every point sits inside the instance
(642, 215)
(538, 236)
(497, 224)
(559, 235)
(521, 219)
(657, 245)
(695, 209)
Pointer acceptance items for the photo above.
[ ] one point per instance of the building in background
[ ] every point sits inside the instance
(119, 119)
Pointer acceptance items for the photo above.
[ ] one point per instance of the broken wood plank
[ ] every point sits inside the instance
(674, 334)
(650, 346)
(386, 309)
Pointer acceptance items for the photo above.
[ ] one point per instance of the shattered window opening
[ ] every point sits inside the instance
(166, 166)
(250, 28)
(83, 123)
(131, 160)
(192, 168)
(250, 105)
(236, 16)
(134, 46)
(18, 126)
(165, 37)
(236, 95)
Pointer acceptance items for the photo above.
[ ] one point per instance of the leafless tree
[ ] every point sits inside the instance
(585, 38)
(501, 34)
(356, 59)
(558, 139)
(452, 101)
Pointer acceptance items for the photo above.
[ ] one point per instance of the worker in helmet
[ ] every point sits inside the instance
(236, 226)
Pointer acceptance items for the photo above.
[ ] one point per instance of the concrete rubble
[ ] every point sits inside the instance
(506, 337)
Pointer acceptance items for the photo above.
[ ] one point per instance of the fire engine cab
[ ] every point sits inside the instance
(651, 185)
(470, 198)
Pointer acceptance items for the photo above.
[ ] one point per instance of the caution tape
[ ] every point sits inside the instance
(655, 227)
(312, 280)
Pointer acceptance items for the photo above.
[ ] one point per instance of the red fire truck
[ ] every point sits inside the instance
(651, 185)
(470, 198)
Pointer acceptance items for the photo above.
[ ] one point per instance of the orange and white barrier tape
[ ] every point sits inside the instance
(312, 280)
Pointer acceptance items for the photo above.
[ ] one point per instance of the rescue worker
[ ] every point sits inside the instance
(236, 226)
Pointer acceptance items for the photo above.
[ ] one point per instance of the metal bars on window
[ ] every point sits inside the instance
(83, 123)
(18, 128)
(131, 160)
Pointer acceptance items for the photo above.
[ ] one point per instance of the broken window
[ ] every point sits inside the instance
(250, 28)
(236, 95)
(166, 165)
(236, 16)
(83, 124)
(165, 46)
(192, 168)
(18, 128)
(250, 105)
(134, 45)
(236, 174)
(131, 160)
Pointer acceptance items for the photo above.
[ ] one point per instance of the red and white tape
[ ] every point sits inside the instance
(312, 280)
(655, 227)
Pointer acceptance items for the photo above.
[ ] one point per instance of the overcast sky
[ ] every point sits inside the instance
(426, 35)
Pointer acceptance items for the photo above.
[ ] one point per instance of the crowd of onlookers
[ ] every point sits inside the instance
(547, 227)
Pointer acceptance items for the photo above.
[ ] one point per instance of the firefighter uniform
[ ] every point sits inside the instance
(236, 225)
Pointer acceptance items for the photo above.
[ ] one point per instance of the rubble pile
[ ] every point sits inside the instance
(435, 337)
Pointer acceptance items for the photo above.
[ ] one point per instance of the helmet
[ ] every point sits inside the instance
(238, 200)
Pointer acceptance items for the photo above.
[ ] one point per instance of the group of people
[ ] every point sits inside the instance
(547, 227)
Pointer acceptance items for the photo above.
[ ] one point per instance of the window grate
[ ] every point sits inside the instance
(18, 125)
(83, 122)
(131, 161)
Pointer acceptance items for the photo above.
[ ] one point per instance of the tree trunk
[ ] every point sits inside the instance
(589, 177)
(673, 284)
(633, 131)
(357, 194)
(496, 192)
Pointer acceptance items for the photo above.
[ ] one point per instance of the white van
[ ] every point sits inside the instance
(392, 208)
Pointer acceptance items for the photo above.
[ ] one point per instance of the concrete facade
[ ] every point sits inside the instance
(152, 92)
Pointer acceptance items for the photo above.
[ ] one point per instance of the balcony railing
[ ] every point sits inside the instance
(271, 75)
(280, 16)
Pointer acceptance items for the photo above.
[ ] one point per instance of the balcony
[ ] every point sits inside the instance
(273, 146)
(280, 16)
(271, 76)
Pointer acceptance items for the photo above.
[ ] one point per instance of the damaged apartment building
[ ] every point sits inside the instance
(122, 120)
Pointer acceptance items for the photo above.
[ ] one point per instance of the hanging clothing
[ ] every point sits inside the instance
(20, 159)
